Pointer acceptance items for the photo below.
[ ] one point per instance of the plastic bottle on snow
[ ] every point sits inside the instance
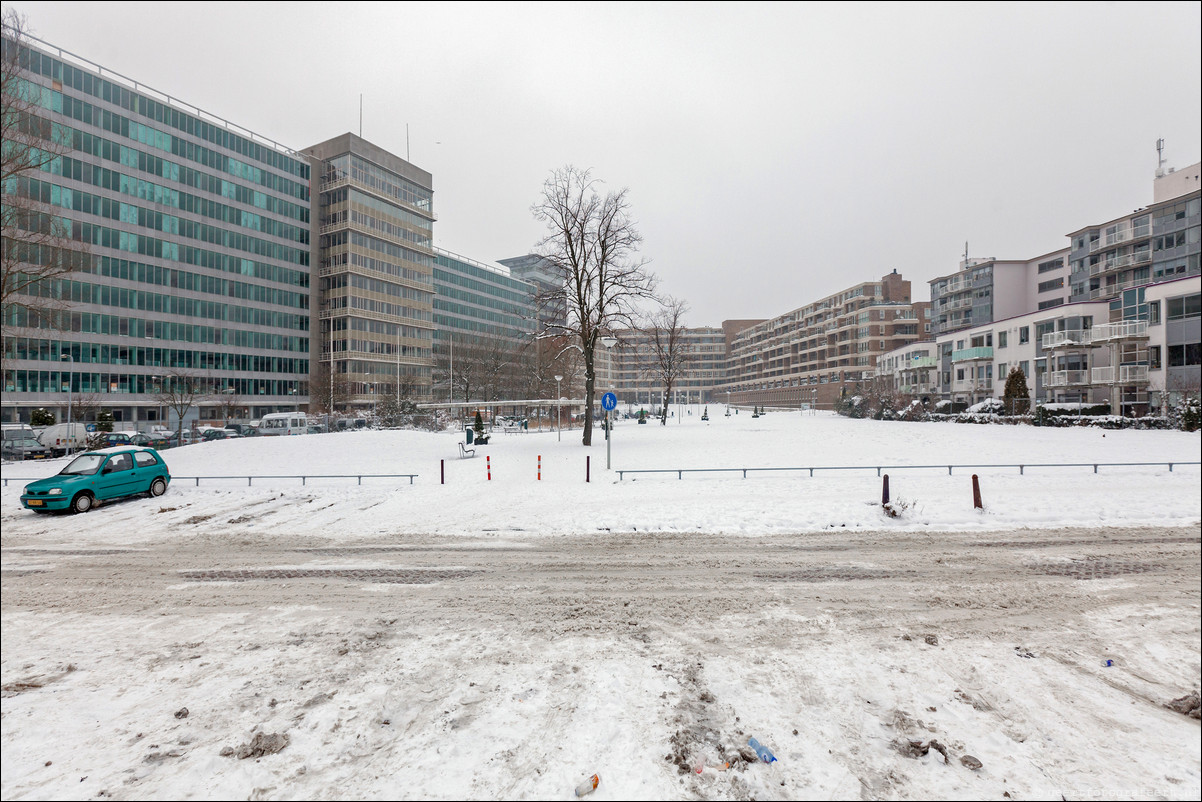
(764, 753)
(588, 786)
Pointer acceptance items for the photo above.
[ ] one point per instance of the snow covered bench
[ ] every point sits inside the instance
(465, 452)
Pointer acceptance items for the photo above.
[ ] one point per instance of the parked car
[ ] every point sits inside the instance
(150, 440)
(218, 434)
(21, 444)
(99, 475)
(244, 429)
(63, 436)
(110, 439)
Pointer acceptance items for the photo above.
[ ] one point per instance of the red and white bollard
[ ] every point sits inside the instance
(488, 465)
(540, 467)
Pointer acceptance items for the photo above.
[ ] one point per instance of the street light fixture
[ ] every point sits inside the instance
(558, 410)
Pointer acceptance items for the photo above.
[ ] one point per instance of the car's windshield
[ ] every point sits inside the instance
(83, 465)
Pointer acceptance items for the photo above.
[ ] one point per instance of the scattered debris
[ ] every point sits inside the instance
(260, 745)
(930, 640)
(1018, 652)
(181, 713)
(917, 748)
(761, 751)
(1187, 705)
(588, 786)
(968, 761)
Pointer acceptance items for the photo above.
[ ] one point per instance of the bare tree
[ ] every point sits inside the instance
(180, 390)
(37, 250)
(592, 245)
(326, 396)
(670, 358)
(229, 402)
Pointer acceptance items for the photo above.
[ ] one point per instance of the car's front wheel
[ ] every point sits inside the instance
(82, 503)
(158, 487)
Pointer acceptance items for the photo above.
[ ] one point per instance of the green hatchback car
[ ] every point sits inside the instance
(99, 475)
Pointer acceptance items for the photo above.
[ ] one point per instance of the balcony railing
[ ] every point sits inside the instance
(1119, 237)
(1065, 339)
(1123, 330)
(970, 354)
(1066, 378)
(1123, 374)
(1112, 289)
(1143, 257)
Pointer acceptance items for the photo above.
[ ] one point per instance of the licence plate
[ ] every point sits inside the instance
(35, 502)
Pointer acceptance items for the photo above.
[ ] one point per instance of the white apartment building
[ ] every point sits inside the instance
(1132, 352)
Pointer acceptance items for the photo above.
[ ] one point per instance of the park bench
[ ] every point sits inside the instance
(465, 452)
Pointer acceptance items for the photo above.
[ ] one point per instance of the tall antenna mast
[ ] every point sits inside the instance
(1159, 157)
(966, 253)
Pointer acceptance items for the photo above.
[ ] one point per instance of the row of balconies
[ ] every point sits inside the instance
(1143, 257)
(1119, 237)
(1122, 374)
(1104, 332)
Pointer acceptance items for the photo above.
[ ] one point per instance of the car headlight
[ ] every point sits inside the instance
(56, 491)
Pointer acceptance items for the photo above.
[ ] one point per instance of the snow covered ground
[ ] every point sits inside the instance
(508, 637)
(515, 499)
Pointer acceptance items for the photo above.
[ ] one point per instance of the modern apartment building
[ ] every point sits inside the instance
(1133, 352)
(484, 330)
(373, 228)
(636, 377)
(812, 354)
(192, 240)
(983, 290)
(1112, 342)
(1152, 244)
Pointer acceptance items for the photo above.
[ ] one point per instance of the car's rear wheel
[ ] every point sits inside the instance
(82, 503)
(158, 487)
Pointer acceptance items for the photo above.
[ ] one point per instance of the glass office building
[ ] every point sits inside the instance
(374, 226)
(193, 242)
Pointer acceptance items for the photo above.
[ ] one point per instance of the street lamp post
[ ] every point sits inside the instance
(608, 342)
(558, 410)
(70, 429)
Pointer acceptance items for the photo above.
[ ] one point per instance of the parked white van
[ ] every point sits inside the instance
(63, 436)
(283, 423)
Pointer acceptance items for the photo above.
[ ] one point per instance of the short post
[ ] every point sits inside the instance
(885, 491)
(586, 469)
(976, 493)
(442, 472)
(540, 467)
(488, 466)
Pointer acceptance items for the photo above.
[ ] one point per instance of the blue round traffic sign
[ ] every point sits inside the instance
(609, 401)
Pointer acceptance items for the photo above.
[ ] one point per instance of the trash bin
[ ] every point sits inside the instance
(470, 434)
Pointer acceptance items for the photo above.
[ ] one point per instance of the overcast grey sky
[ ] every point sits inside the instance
(775, 153)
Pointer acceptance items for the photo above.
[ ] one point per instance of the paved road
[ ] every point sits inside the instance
(608, 580)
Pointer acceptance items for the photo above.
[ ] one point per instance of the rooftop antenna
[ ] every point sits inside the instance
(1159, 158)
(966, 253)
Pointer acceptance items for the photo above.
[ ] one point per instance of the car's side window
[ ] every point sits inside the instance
(121, 462)
(145, 459)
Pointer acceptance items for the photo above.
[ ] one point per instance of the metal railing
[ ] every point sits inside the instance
(359, 477)
(1122, 330)
(680, 472)
(1066, 378)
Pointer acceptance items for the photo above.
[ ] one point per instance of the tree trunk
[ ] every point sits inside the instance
(590, 387)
